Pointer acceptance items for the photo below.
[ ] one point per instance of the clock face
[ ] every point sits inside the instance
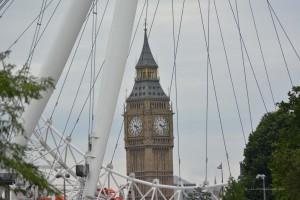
(135, 126)
(160, 125)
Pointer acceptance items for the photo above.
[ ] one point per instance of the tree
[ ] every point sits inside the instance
(273, 150)
(235, 190)
(17, 88)
(258, 153)
(285, 166)
(199, 194)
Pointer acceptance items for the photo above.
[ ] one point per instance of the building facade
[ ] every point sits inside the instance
(148, 124)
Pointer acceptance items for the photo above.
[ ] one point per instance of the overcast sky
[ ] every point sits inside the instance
(191, 73)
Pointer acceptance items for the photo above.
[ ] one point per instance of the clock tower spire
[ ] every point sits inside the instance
(148, 121)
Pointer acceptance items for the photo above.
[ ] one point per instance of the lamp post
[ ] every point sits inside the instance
(262, 176)
(64, 176)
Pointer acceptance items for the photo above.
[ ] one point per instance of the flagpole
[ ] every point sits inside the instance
(221, 168)
(222, 171)
(222, 177)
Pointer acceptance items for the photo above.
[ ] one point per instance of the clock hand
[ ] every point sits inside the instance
(137, 128)
(163, 126)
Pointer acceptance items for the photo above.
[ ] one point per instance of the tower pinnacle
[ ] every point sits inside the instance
(145, 25)
(147, 84)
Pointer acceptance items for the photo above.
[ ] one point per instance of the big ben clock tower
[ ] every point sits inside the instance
(148, 121)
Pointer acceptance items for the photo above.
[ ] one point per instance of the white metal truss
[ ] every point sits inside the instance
(125, 185)
(53, 153)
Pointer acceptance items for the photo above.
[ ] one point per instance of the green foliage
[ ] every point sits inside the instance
(235, 190)
(285, 166)
(17, 88)
(274, 150)
(258, 153)
(199, 194)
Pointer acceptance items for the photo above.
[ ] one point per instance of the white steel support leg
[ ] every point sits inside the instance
(54, 64)
(114, 66)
